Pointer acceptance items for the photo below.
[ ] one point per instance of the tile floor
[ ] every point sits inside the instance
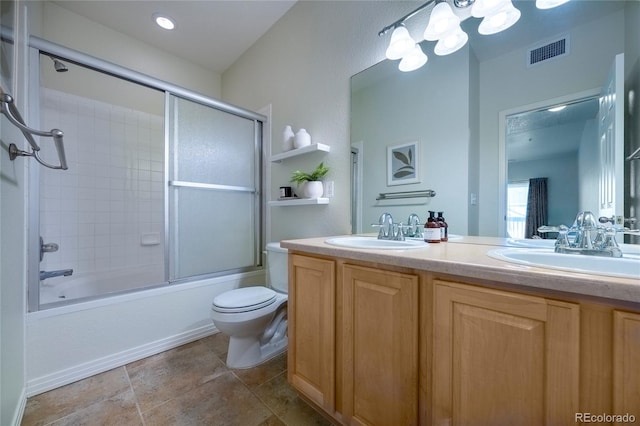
(189, 385)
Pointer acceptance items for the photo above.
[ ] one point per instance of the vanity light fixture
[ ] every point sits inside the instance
(401, 43)
(164, 21)
(413, 60)
(444, 27)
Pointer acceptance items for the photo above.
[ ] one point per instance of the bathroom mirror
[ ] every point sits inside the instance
(451, 107)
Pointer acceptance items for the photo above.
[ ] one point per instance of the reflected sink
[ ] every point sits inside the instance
(626, 267)
(530, 242)
(374, 243)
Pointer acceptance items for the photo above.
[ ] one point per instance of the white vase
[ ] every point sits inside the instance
(313, 189)
(302, 139)
(287, 139)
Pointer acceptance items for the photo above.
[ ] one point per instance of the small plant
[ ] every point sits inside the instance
(301, 177)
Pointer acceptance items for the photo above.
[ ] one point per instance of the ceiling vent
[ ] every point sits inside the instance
(548, 51)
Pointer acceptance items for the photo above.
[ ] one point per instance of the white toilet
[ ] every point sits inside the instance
(255, 318)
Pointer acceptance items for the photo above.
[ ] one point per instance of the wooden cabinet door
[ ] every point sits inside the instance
(311, 311)
(626, 363)
(503, 358)
(379, 347)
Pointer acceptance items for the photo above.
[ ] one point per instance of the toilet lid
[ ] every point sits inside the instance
(244, 299)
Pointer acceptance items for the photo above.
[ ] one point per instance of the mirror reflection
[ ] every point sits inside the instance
(547, 149)
(452, 108)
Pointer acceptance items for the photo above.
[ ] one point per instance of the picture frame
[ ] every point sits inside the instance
(403, 164)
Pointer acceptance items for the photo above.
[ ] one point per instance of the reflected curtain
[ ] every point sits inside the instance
(537, 207)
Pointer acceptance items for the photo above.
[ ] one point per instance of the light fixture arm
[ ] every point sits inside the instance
(405, 17)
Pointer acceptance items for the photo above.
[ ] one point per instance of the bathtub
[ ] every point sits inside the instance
(93, 284)
(71, 341)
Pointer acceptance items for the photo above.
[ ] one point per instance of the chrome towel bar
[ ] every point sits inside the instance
(8, 108)
(406, 194)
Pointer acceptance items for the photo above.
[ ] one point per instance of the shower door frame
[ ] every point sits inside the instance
(38, 46)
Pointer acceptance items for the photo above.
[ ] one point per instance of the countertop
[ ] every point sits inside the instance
(467, 257)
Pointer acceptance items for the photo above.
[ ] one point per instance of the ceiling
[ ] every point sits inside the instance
(215, 33)
(210, 33)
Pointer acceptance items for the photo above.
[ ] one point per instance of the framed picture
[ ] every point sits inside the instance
(402, 164)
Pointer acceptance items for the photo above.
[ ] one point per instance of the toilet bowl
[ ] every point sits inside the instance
(255, 318)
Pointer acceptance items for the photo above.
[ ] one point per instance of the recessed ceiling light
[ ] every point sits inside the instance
(558, 108)
(164, 21)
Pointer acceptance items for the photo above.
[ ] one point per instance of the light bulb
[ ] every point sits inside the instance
(451, 42)
(500, 20)
(548, 4)
(413, 60)
(400, 43)
(164, 21)
(441, 21)
(482, 8)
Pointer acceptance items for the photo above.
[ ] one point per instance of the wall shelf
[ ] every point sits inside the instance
(299, 202)
(300, 151)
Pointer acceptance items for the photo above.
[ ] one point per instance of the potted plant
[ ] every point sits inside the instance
(312, 181)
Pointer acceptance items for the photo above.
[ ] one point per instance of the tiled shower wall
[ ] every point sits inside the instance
(107, 210)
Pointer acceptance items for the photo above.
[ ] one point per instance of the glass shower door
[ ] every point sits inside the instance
(214, 197)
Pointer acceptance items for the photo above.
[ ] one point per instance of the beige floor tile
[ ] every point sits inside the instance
(120, 410)
(58, 403)
(221, 401)
(254, 377)
(218, 343)
(161, 377)
(280, 397)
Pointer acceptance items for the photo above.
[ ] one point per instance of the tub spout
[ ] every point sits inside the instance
(59, 273)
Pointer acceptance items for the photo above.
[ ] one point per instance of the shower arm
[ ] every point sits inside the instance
(8, 108)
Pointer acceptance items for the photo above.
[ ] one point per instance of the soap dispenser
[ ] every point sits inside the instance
(432, 229)
(444, 227)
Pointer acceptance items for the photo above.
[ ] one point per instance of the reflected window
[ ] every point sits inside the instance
(517, 193)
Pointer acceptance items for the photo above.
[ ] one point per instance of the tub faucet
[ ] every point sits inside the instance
(59, 273)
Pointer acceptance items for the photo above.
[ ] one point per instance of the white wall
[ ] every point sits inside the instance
(13, 207)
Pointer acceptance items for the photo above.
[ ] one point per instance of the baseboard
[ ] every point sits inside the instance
(82, 371)
(19, 413)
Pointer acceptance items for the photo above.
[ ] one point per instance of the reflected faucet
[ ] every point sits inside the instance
(59, 273)
(590, 238)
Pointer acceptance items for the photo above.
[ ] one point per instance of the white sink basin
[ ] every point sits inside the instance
(374, 243)
(626, 267)
(530, 242)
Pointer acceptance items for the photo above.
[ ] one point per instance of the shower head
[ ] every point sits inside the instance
(59, 66)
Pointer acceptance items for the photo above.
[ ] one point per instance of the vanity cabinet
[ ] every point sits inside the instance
(311, 318)
(379, 347)
(376, 344)
(503, 358)
(626, 362)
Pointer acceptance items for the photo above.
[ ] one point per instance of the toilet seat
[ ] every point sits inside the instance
(244, 299)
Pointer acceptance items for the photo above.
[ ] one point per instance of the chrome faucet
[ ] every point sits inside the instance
(414, 226)
(385, 222)
(59, 273)
(590, 238)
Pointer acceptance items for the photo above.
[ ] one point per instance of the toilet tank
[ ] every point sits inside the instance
(277, 267)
